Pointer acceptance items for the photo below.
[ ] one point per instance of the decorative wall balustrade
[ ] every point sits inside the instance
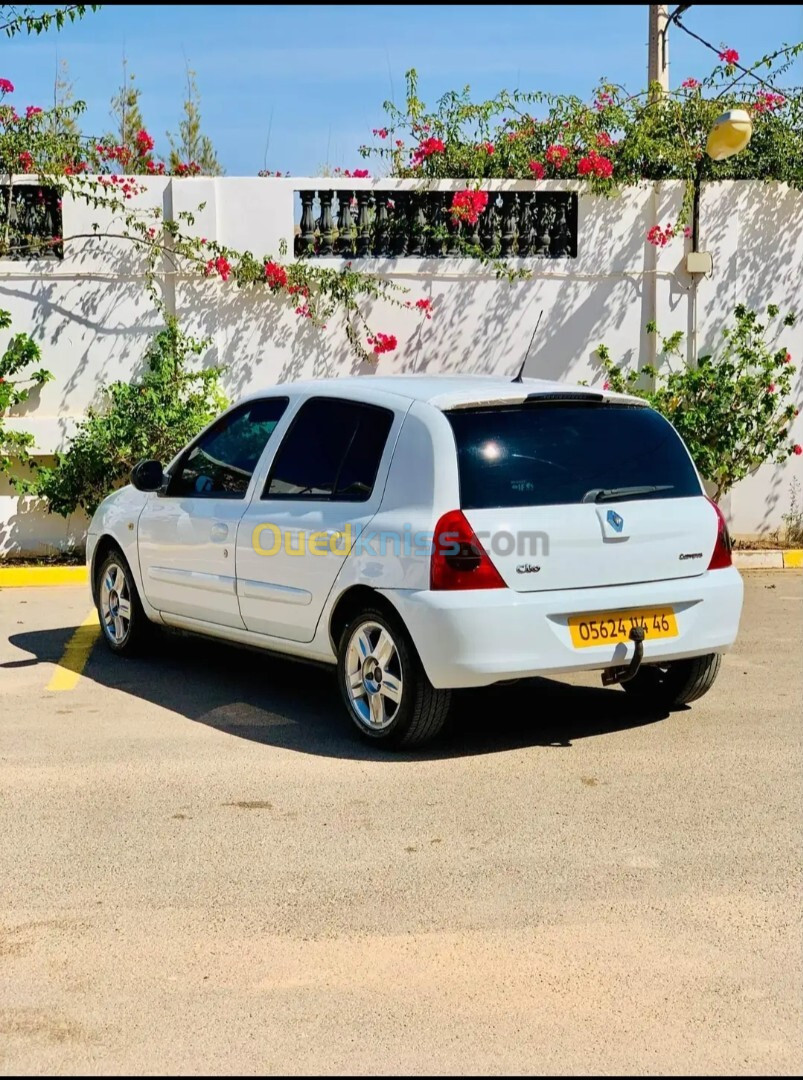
(30, 222)
(368, 223)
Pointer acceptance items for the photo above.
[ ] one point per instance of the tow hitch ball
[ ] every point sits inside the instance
(625, 674)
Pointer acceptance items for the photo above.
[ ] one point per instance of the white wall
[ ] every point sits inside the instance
(93, 318)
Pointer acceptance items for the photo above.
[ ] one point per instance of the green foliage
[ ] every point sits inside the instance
(16, 20)
(20, 353)
(639, 136)
(62, 121)
(191, 150)
(734, 411)
(126, 114)
(151, 417)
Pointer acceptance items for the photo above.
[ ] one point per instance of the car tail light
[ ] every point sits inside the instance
(459, 561)
(721, 555)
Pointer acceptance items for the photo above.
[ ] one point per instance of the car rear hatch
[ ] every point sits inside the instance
(579, 491)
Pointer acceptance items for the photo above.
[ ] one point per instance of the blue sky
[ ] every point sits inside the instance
(313, 78)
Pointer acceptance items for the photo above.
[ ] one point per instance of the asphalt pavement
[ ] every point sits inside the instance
(202, 869)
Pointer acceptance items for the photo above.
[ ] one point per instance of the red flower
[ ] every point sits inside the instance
(488, 147)
(606, 385)
(788, 358)
(767, 101)
(771, 388)
(427, 148)
(729, 56)
(26, 161)
(690, 84)
(304, 311)
(399, 143)
(604, 140)
(687, 232)
(144, 142)
(603, 99)
(425, 306)
(6, 86)
(557, 154)
(797, 449)
(382, 343)
(361, 174)
(660, 237)
(468, 205)
(537, 169)
(275, 275)
(382, 133)
(31, 110)
(222, 266)
(594, 164)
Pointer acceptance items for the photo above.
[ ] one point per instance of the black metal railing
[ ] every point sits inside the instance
(420, 224)
(30, 222)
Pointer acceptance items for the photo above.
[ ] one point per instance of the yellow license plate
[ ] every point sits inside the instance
(609, 628)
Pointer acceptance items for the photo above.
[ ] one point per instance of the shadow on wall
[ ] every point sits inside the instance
(755, 232)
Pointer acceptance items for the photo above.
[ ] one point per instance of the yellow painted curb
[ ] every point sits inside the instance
(25, 577)
(793, 558)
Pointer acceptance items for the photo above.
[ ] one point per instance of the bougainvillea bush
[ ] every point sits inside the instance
(734, 409)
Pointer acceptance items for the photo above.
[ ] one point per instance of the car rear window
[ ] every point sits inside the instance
(552, 454)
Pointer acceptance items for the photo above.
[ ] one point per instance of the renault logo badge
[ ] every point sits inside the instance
(615, 521)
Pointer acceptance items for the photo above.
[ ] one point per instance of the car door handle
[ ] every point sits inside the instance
(219, 531)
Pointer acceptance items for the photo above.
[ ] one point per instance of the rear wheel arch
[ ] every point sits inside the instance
(355, 599)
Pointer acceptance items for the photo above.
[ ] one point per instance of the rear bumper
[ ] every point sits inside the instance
(476, 638)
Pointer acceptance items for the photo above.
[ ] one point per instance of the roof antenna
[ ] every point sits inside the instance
(532, 339)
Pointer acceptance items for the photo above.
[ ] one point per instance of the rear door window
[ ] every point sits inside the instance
(331, 451)
(551, 454)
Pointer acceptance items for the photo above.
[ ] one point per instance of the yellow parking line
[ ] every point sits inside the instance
(76, 654)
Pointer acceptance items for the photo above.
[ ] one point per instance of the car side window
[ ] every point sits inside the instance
(332, 451)
(220, 464)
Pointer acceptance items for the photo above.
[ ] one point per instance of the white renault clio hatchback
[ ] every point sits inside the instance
(430, 533)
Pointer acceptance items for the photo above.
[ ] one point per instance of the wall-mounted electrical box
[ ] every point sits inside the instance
(699, 262)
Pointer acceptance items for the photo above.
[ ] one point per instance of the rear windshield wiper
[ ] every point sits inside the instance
(597, 495)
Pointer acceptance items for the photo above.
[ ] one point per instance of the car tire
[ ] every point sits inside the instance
(384, 686)
(125, 627)
(677, 683)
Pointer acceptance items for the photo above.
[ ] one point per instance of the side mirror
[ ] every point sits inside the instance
(147, 476)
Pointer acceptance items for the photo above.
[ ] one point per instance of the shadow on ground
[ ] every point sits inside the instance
(296, 706)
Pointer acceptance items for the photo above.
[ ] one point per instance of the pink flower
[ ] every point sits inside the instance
(382, 343)
(31, 110)
(687, 232)
(788, 358)
(606, 385)
(537, 169)
(690, 84)
(729, 56)
(767, 101)
(556, 155)
(6, 86)
(797, 449)
(771, 388)
(361, 174)
(603, 140)
(603, 99)
(381, 133)
(275, 275)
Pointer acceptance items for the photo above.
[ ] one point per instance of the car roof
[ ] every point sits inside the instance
(443, 391)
